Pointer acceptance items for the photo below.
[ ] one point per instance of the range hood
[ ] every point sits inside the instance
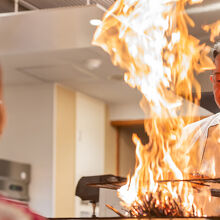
(47, 30)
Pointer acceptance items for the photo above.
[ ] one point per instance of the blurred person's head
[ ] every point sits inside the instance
(215, 77)
(2, 109)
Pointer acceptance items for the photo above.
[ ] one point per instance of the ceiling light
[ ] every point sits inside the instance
(92, 64)
(95, 22)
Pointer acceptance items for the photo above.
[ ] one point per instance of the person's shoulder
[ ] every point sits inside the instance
(211, 120)
(16, 210)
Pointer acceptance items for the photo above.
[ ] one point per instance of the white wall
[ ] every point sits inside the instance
(90, 140)
(133, 111)
(28, 137)
(125, 112)
(110, 146)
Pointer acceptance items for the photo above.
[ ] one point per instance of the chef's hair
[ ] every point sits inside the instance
(216, 49)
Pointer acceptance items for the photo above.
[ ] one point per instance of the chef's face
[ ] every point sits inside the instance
(215, 79)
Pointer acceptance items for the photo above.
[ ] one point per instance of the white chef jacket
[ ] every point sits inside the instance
(196, 135)
(204, 141)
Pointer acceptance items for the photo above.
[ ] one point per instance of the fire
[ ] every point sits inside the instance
(149, 39)
(214, 28)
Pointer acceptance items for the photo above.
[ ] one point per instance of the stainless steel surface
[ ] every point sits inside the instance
(43, 4)
(14, 179)
(15, 170)
(8, 5)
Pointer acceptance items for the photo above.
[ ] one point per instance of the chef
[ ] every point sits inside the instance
(202, 139)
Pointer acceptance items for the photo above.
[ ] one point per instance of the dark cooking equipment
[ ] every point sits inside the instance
(88, 187)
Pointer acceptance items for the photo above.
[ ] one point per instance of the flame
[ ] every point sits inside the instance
(214, 29)
(149, 39)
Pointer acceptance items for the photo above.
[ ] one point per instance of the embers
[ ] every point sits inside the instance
(155, 207)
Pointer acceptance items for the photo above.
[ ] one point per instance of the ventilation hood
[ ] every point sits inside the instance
(47, 30)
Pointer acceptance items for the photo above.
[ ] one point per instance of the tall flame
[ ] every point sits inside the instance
(150, 40)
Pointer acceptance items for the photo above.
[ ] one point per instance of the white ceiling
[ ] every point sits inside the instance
(69, 64)
(69, 67)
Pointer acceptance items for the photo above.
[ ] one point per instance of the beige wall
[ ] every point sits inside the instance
(65, 152)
